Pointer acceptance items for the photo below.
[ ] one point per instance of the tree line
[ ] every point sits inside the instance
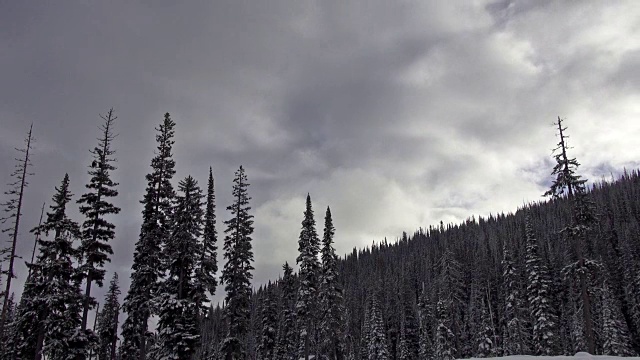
(554, 277)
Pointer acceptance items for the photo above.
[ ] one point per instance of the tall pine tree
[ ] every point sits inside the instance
(147, 256)
(178, 333)
(107, 327)
(543, 317)
(206, 263)
(331, 300)
(308, 247)
(56, 279)
(236, 274)
(97, 231)
(286, 348)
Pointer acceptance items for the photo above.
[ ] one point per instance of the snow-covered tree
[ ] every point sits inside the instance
(178, 333)
(236, 275)
(97, 231)
(308, 248)
(286, 348)
(615, 333)
(426, 325)
(107, 326)
(155, 229)
(331, 299)
(515, 338)
(54, 276)
(377, 339)
(444, 341)
(542, 315)
(269, 324)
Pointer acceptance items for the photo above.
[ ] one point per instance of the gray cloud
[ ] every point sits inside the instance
(396, 114)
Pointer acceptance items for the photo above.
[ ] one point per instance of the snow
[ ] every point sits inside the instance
(578, 356)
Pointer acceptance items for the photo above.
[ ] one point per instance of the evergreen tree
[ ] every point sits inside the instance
(107, 327)
(147, 256)
(615, 333)
(267, 346)
(207, 265)
(23, 337)
(515, 337)
(331, 299)
(286, 349)
(308, 248)
(178, 334)
(569, 183)
(236, 274)
(444, 343)
(97, 231)
(377, 346)
(485, 343)
(542, 316)
(13, 210)
(56, 280)
(426, 331)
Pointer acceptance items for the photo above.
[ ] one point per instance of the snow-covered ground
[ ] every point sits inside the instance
(578, 356)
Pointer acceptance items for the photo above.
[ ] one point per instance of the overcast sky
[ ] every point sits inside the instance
(397, 114)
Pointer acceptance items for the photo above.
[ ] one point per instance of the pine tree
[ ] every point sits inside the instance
(286, 349)
(268, 337)
(543, 319)
(207, 265)
(13, 210)
(331, 299)
(97, 231)
(178, 333)
(515, 338)
(308, 248)
(485, 344)
(569, 183)
(444, 341)
(60, 336)
(23, 337)
(147, 256)
(426, 331)
(236, 274)
(615, 333)
(107, 327)
(377, 346)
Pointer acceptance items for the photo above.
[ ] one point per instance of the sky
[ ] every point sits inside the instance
(396, 114)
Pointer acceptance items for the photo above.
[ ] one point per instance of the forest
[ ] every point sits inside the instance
(554, 277)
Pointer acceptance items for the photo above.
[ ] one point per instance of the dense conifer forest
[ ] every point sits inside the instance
(554, 277)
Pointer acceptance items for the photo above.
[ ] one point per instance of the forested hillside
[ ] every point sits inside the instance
(487, 286)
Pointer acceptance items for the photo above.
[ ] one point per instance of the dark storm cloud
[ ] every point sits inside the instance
(396, 114)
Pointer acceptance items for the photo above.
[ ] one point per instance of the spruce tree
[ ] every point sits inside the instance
(268, 336)
(538, 291)
(615, 333)
(308, 248)
(377, 346)
(236, 274)
(426, 326)
(154, 231)
(286, 348)
(178, 333)
(56, 279)
(444, 340)
(568, 182)
(13, 210)
(515, 339)
(107, 327)
(331, 299)
(97, 231)
(23, 337)
(206, 263)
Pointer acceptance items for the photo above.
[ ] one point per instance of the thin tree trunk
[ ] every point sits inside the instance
(95, 320)
(25, 164)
